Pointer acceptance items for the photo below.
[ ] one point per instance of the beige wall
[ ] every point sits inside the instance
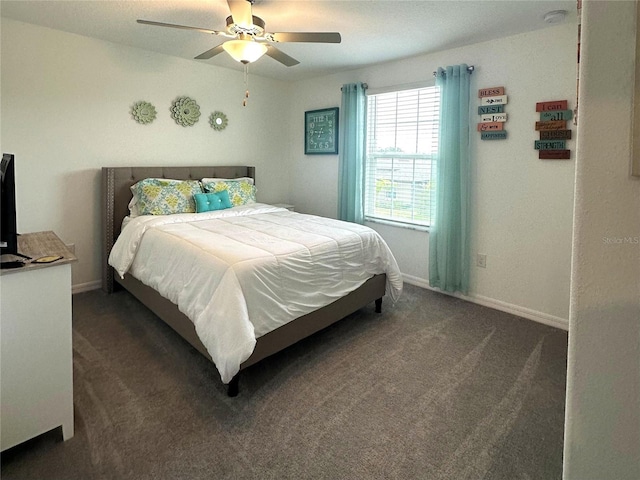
(65, 102)
(522, 206)
(65, 114)
(602, 434)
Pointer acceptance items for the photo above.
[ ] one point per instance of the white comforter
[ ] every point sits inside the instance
(242, 272)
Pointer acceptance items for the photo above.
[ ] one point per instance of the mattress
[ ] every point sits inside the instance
(243, 272)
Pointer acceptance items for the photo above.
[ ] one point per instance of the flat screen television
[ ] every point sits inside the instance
(8, 231)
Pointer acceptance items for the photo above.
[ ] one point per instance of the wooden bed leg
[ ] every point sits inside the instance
(232, 388)
(379, 305)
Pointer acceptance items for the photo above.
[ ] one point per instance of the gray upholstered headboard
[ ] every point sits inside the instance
(116, 194)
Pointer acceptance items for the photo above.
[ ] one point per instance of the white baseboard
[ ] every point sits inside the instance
(85, 287)
(418, 282)
(518, 310)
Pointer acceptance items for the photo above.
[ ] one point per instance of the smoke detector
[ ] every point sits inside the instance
(555, 16)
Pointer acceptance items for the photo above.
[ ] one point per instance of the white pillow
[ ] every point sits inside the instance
(133, 207)
(248, 180)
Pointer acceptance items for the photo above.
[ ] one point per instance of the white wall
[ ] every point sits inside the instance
(602, 434)
(65, 114)
(522, 206)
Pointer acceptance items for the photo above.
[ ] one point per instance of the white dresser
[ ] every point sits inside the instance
(36, 366)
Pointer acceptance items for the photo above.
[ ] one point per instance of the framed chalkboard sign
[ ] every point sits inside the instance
(321, 131)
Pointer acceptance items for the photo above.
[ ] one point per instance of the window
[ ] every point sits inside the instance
(402, 141)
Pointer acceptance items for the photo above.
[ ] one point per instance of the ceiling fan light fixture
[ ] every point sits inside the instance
(244, 51)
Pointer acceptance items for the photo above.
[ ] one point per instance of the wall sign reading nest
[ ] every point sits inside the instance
(553, 130)
(492, 115)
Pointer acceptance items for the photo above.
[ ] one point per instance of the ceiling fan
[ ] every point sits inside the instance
(248, 38)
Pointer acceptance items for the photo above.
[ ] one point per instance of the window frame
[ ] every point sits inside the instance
(367, 195)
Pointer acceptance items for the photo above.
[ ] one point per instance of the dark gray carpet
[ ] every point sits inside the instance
(432, 388)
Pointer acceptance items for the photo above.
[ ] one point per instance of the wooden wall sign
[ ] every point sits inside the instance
(490, 126)
(498, 117)
(493, 135)
(553, 130)
(490, 92)
(492, 115)
(554, 154)
(498, 100)
(550, 144)
(549, 106)
(490, 109)
(555, 135)
(556, 115)
(555, 125)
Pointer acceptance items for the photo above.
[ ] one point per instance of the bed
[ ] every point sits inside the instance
(116, 183)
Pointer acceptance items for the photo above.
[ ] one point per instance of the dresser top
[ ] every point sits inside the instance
(36, 245)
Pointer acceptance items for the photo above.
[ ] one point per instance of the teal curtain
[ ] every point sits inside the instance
(351, 158)
(449, 255)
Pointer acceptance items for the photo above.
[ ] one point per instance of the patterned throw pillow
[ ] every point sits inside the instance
(160, 196)
(240, 193)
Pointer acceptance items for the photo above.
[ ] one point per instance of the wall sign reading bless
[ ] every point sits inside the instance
(321, 131)
(492, 115)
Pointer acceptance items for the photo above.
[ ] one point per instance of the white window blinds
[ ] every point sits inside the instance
(402, 141)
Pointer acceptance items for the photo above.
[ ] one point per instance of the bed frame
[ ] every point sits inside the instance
(116, 195)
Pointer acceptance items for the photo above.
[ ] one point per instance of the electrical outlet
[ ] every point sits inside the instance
(481, 260)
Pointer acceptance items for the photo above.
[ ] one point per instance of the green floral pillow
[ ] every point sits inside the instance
(240, 193)
(161, 196)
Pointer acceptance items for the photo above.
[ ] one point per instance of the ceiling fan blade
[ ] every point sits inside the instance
(319, 37)
(210, 53)
(184, 27)
(241, 12)
(280, 56)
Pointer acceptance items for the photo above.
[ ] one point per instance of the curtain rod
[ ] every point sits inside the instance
(364, 85)
(470, 69)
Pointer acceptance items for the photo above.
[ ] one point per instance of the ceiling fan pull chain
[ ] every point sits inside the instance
(246, 84)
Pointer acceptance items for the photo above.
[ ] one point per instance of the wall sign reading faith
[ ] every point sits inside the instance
(550, 145)
(549, 106)
(490, 92)
(499, 100)
(556, 115)
(554, 125)
(554, 154)
(321, 131)
(493, 135)
(555, 135)
(490, 126)
(490, 109)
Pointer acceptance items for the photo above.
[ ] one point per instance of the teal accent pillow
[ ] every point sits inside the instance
(240, 193)
(160, 196)
(206, 202)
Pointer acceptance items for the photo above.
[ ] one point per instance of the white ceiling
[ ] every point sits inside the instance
(372, 31)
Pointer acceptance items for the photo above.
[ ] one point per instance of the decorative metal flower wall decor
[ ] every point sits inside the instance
(143, 112)
(218, 121)
(185, 111)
